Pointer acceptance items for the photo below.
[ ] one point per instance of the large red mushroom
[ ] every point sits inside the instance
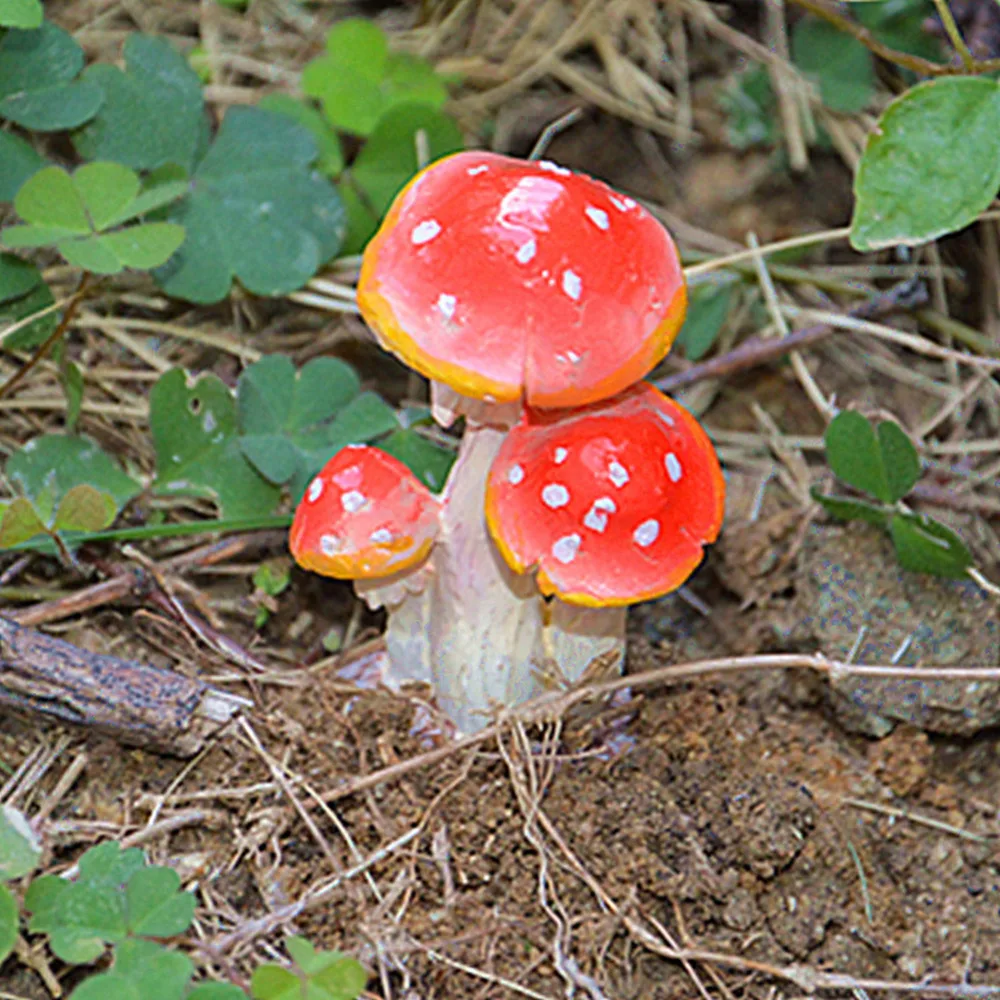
(526, 292)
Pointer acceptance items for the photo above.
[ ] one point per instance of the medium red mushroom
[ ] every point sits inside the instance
(525, 291)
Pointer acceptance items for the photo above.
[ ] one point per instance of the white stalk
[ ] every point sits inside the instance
(481, 633)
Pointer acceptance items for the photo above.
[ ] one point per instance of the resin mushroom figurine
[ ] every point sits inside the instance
(519, 289)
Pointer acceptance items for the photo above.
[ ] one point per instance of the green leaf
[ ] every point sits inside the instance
(256, 212)
(107, 865)
(193, 423)
(900, 25)
(156, 907)
(38, 89)
(142, 971)
(852, 510)
(92, 253)
(21, 13)
(329, 975)
(153, 112)
(272, 982)
(145, 246)
(884, 463)
(216, 991)
(43, 895)
(84, 508)
(31, 334)
(19, 522)
(389, 158)
(64, 461)
(358, 80)
(708, 308)
(18, 161)
(362, 222)
(106, 189)
(83, 921)
(51, 199)
(285, 416)
(924, 545)
(932, 164)
(17, 277)
(9, 922)
(902, 463)
(20, 848)
(429, 462)
(330, 160)
(842, 67)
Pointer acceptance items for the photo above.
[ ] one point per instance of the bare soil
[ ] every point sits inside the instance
(751, 835)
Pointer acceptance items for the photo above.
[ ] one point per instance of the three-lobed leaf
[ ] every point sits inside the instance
(322, 975)
(257, 211)
(152, 112)
(932, 164)
(39, 88)
(879, 461)
(142, 970)
(358, 80)
(194, 428)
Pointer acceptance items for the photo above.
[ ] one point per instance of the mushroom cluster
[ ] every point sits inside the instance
(535, 299)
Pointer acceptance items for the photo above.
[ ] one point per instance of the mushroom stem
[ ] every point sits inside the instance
(483, 633)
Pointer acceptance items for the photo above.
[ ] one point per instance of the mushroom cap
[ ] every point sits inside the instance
(611, 504)
(364, 516)
(514, 279)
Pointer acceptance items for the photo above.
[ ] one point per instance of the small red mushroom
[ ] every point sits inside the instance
(364, 516)
(612, 504)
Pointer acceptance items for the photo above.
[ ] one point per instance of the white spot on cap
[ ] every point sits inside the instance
(330, 545)
(425, 231)
(481, 169)
(352, 501)
(526, 252)
(446, 305)
(515, 475)
(666, 418)
(572, 285)
(621, 203)
(647, 533)
(598, 217)
(565, 549)
(560, 456)
(315, 490)
(618, 473)
(597, 517)
(673, 465)
(554, 168)
(555, 495)
(380, 536)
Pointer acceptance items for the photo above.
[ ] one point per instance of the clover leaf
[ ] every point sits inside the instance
(256, 211)
(83, 215)
(358, 80)
(152, 112)
(924, 545)
(39, 88)
(194, 428)
(319, 975)
(142, 970)
(880, 461)
(330, 160)
(841, 66)
(21, 13)
(428, 461)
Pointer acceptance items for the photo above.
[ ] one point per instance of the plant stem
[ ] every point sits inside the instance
(954, 35)
(916, 64)
(75, 300)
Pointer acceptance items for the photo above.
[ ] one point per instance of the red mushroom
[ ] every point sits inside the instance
(612, 503)
(513, 283)
(365, 516)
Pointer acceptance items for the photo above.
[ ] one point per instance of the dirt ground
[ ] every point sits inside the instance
(755, 833)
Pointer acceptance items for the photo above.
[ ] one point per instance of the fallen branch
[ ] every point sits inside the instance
(130, 701)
